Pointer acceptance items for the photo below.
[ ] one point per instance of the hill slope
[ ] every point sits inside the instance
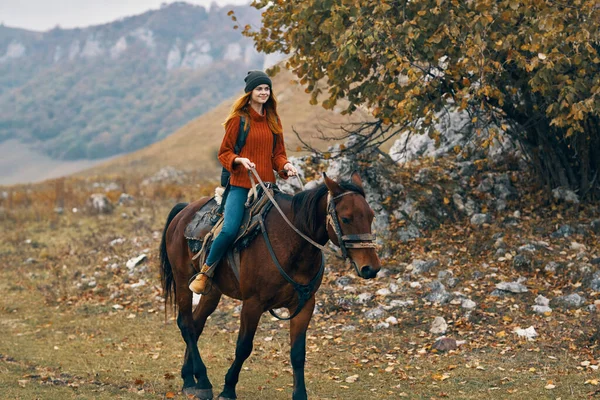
(195, 145)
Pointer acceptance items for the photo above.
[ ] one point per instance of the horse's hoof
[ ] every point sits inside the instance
(200, 394)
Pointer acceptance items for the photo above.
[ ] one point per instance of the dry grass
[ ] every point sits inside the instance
(63, 337)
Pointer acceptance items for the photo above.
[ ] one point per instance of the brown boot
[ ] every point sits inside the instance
(198, 284)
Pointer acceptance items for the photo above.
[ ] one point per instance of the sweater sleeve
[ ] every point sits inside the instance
(279, 155)
(226, 151)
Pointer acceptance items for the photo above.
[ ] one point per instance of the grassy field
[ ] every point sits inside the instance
(77, 323)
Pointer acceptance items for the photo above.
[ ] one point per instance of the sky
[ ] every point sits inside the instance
(42, 15)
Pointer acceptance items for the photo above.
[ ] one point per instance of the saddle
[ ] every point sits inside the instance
(208, 222)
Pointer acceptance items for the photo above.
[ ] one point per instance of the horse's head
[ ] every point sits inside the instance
(349, 219)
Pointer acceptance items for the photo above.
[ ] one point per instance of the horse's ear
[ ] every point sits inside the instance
(333, 186)
(356, 179)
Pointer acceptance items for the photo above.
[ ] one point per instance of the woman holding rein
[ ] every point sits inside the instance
(258, 106)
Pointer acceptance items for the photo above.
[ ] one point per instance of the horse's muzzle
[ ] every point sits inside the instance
(368, 272)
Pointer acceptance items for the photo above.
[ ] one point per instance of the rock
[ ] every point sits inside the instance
(392, 320)
(383, 292)
(528, 333)
(59, 210)
(343, 280)
(595, 283)
(375, 313)
(566, 195)
(577, 246)
(595, 225)
(468, 304)
(447, 278)
(542, 301)
(131, 263)
(98, 203)
(393, 287)
(437, 293)
(439, 326)
(166, 174)
(552, 267)
(415, 285)
(467, 169)
(572, 300)
(125, 198)
(512, 287)
(541, 309)
(480, 219)
(522, 263)
(486, 185)
(116, 241)
(382, 325)
(344, 303)
(420, 267)
(563, 231)
(526, 248)
(423, 176)
(408, 233)
(445, 344)
(401, 303)
(30, 260)
(471, 207)
(364, 297)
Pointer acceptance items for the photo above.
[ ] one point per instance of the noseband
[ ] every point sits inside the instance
(356, 241)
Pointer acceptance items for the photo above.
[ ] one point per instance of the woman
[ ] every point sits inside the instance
(258, 106)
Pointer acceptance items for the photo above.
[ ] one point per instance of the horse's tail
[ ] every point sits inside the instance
(166, 270)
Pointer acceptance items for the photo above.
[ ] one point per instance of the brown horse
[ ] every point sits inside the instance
(269, 267)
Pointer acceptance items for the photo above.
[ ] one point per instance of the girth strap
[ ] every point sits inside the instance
(304, 291)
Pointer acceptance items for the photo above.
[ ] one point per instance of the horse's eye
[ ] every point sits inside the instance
(345, 220)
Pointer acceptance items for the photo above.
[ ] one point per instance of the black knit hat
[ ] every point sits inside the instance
(255, 78)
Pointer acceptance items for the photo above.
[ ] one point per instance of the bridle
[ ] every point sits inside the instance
(354, 241)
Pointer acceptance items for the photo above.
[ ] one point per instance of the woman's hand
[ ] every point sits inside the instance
(290, 169)
(245, 162)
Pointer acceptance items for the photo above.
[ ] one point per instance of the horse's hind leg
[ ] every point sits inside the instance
(298, 327)
(250, 316)
(192, 365)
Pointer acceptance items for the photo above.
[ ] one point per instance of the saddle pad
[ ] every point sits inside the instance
(202, 222)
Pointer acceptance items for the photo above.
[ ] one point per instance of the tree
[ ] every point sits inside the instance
(529, 67)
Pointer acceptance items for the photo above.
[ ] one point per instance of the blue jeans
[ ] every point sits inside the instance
(233, 214)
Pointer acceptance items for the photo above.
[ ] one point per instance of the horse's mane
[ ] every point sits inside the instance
(305, 204)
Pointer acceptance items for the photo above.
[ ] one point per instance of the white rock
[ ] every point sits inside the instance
(383, 292)
(140, 283)
(364, 297)
(392, 320)
(393, 287)
(135, 261)
(577, 246)
(415, 285)
(439, 326)
(528, 333)
(513, 287)
(468, 304)
(542, 301)
(541, 309)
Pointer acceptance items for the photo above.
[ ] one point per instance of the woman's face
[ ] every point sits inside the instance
(261, 94)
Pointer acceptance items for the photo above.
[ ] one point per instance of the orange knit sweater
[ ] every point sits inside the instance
(258, 149)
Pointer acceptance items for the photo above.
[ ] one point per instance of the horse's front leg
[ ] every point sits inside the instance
(298, 327)
(250, 316)
(193, 371)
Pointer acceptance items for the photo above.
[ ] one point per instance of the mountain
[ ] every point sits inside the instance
(99, 91)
